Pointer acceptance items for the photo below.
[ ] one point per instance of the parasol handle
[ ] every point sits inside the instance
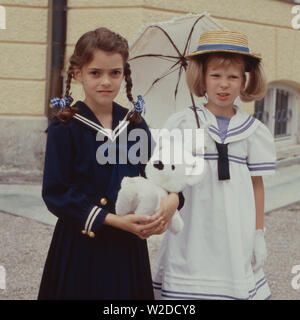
(195, 111)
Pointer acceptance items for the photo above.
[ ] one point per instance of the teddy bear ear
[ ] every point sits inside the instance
(196, 171)
(161, 143)
(195, 142)
(159, 150)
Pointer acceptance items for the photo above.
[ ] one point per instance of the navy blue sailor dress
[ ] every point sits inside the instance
(113, 264)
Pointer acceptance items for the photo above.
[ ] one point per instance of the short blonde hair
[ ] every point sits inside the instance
(255, 87)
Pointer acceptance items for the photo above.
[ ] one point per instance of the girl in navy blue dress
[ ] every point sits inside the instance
(95, 254)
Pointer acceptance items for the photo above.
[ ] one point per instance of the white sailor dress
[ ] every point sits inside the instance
(211, 257)
(101, 262)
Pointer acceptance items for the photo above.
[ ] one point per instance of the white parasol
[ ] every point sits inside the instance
(158, 64)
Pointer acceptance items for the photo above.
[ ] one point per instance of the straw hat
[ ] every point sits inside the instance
(223, 41)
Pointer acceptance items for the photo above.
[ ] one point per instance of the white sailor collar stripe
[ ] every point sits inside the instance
(241, 125)
(111, 134)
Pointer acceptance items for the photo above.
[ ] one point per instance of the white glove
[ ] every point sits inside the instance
(259, 251)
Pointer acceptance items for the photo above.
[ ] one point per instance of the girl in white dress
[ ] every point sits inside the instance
(221, 250)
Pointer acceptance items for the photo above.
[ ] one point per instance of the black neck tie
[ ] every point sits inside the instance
(223, 162)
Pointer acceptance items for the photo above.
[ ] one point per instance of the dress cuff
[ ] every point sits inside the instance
(261, 169)
(94, 221)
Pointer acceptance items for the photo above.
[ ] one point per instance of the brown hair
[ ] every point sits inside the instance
(99, 39)
(255, 87)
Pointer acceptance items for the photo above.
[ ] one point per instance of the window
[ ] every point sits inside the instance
(282, 113)
(260, 112)
(278, 111)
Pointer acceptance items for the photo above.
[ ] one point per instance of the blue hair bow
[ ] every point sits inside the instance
(61, 103)
(139, 105)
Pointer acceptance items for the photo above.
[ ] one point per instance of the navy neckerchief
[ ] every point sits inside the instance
(223, 162)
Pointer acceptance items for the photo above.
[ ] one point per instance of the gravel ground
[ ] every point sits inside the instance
(24, 245)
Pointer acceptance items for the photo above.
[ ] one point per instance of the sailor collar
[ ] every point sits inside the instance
(86, 117)
(241, 125)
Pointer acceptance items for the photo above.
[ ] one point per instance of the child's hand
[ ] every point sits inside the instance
(142, 226)
(168, 206)
(259, 251)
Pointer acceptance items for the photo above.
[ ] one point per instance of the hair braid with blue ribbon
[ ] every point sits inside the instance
(139, 105)
(61, 102)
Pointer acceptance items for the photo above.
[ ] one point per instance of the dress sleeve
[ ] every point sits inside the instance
(261, 152)
(62, 196)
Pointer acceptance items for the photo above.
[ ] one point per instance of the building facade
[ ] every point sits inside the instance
(26, 64)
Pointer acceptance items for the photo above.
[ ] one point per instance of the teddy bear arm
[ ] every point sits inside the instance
(126, 200)
(176, 223)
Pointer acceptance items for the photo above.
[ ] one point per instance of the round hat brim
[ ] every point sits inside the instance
(196, 53)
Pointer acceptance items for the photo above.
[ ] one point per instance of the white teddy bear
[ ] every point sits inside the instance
(142, 196)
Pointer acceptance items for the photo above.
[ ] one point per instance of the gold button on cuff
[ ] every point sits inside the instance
(92, 234)
(103, 201)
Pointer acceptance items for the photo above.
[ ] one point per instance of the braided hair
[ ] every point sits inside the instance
(136, 117)
(99, 39)
(67, 113)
